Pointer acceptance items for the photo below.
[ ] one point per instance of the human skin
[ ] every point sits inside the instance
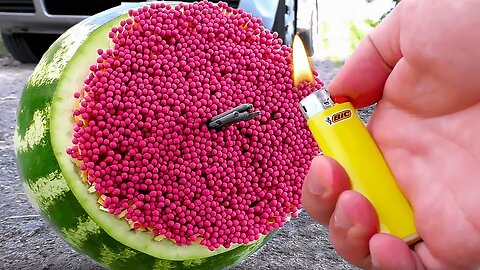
(422, 66)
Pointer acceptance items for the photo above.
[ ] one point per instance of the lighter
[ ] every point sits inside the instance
(341, 135)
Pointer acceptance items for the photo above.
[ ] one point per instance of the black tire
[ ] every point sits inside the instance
(283, 26)
(287, 29)
(279, 22)
(26, 47)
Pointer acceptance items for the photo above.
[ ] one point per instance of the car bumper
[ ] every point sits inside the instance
(41, 21)
(38, 22)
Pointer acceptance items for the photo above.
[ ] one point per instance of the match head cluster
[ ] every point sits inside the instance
(141, 135)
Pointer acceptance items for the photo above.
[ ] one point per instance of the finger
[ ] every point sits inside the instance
(323, 184)
(352, 225)
(391, 253)
(364, 74)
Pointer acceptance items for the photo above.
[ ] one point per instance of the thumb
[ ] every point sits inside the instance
(364, 74)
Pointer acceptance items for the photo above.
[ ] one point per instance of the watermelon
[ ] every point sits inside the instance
(55, 183)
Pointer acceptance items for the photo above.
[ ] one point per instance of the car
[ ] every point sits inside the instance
(29, 27)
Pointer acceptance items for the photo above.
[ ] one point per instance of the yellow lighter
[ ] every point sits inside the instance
(341, 135)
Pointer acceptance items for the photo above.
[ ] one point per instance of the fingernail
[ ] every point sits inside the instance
(315, 187)
(341, 220)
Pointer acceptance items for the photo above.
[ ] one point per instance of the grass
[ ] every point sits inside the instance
(338, 39)
(3, 51)
(344, 23)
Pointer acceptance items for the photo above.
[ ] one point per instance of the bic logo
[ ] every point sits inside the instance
(339, 116)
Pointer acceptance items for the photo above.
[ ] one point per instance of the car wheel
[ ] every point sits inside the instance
(284, 23)
(27, 47)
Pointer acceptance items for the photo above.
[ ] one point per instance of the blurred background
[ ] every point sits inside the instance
(343, 23)
(332, 27)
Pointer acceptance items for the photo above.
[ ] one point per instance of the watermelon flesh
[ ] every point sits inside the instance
(55, 182)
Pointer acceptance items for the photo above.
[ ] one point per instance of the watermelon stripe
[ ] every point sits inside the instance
(61, 209)
(36, 165)
(49, 189)
(85, 230)
(35, 133)
(32, 137)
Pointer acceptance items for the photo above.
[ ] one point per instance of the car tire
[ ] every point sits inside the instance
(26, 47)
(284, 23)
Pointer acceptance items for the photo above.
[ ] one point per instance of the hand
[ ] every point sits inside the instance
(422, 66)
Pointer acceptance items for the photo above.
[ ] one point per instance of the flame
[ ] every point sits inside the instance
(302, 71)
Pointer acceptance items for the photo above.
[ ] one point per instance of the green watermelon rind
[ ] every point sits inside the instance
(52, 182)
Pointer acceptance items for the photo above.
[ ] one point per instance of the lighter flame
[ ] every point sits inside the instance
(302, 71)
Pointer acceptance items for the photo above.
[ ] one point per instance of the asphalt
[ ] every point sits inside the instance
(27, 242)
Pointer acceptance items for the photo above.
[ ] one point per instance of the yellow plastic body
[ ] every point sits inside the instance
(342, 136)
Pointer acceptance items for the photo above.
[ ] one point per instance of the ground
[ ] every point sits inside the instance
(28, 243)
